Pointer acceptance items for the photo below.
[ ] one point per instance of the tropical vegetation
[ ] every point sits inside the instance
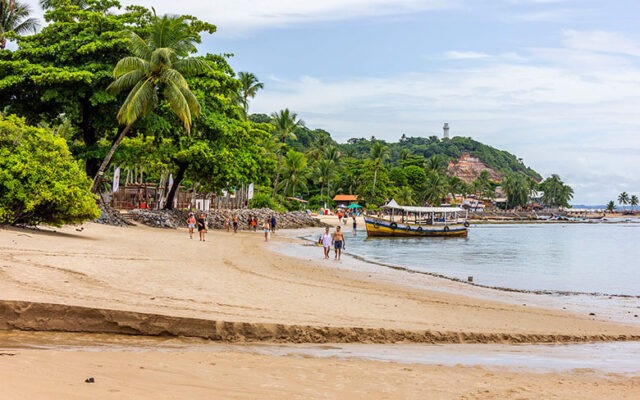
(124, 87)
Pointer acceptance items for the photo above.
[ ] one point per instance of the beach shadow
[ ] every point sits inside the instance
(46, 231)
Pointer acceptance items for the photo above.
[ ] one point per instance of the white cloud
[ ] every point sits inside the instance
(235, 17)
(601, 42)
(465, 55)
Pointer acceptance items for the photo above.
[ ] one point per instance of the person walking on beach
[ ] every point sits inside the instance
(326, 240)
(265, 228)
(273, 224)
(254, 223)
(355, 224)
(202, 226)
(235, 224)
(338, 242)
(191, 224)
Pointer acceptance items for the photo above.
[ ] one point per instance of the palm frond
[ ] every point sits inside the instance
(191, 66)
(178, 103)
(128, 64)
(139, 47)
(125, 81)
(171, 75)
(140, 100)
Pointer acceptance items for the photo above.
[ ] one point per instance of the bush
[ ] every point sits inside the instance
(264, 200)
(316, 202)
(40, 182)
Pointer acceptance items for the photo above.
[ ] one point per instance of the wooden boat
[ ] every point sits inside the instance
(410, 221)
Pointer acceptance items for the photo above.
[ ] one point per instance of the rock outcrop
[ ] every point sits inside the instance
(469, 167)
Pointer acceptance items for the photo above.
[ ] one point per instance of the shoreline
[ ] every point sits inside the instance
(138, 279)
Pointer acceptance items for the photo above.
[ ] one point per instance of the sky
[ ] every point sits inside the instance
(555, 82)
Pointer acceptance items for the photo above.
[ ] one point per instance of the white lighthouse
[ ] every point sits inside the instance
(445, 128)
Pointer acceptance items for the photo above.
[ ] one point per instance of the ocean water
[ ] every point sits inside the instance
(584, 258)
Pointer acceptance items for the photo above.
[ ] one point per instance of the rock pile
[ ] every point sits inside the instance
(173, 219)
(110, 216)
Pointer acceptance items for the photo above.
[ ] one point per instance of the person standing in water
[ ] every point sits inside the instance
(355, 224)
(338, 242)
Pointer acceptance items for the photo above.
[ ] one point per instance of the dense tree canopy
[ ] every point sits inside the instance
(40, 182)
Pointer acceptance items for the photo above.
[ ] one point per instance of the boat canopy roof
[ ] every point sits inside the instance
(393, 205)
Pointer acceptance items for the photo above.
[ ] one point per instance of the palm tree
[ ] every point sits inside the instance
(249, 87)
(633, 201)
(379, 154)
(405, 196)
(517, 188)
(611, 206)
(295, 168)
(285, 122)
(435, 188)
(623, 198)
(154, 70)
(14, 17)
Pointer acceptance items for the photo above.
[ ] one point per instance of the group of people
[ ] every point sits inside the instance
(201, 222)
(336, 240)
(269, 225)
(344, 217)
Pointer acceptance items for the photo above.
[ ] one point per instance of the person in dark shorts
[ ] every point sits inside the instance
(235, 224)
(338, 242)
(202, 226)
(273, 223)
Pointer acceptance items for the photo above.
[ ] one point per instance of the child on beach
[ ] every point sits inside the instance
(326, 240)
(235, 224)
(191, 224)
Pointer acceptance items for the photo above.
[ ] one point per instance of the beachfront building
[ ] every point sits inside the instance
(345, 200)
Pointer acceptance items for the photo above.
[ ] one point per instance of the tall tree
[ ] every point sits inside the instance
(15, 17)
(623, 198)
(285, 123)
(249, 88)
(633, 201)
(154, 70)
(65, 68)
(556, 193)
(378, 155)
(295, 177)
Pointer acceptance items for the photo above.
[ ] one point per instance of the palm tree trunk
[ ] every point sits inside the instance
(107, 160)
(373, 189)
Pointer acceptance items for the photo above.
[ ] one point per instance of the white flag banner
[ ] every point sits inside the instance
(116, 180)
(250, 192)
(170, 181)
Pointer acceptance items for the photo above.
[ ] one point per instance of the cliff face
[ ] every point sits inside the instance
(469, 167)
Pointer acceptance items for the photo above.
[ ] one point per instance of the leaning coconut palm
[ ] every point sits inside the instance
(249, 87)
(14, 17)
(149, 72)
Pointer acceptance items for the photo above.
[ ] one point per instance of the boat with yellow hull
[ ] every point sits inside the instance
(406, 221)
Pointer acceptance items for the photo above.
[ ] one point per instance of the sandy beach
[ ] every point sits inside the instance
(234, 288)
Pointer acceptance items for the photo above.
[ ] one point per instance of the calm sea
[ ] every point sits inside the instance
(589, 258)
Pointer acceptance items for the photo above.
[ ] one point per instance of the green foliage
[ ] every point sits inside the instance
(556, 193)
(264, 200)
(40, 182)
(318, 201)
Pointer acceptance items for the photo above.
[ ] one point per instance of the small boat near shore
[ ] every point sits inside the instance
(408, 221)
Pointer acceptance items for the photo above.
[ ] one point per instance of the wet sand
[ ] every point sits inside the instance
(135, 280)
